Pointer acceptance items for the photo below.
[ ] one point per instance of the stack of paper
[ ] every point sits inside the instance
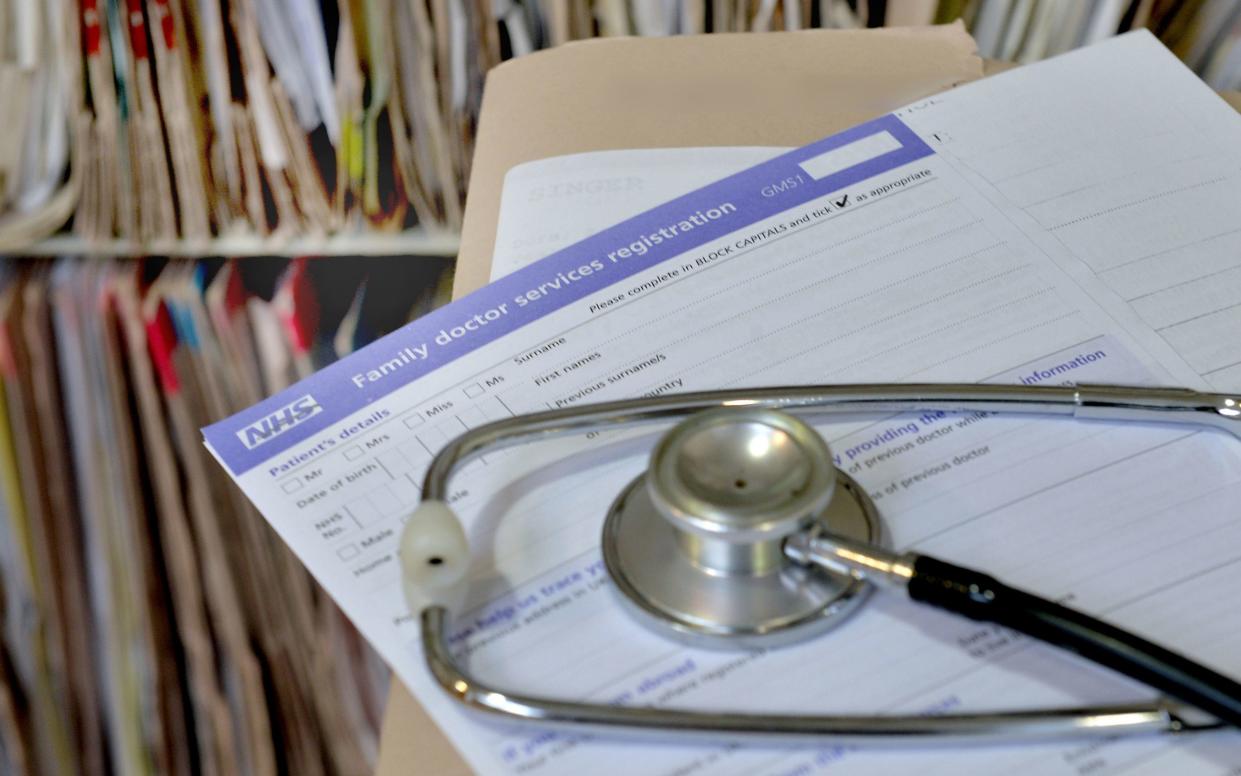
(39, 83)
(151, 623)
(193, 118)
(183, 119)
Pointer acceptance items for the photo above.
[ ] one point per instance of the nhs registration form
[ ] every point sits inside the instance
(1069, 221)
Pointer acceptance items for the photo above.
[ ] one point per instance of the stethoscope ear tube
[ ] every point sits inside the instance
(978, 596)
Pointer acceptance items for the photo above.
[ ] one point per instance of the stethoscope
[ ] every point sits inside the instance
(742, 533)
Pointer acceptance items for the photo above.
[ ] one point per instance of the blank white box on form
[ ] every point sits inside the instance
(414, 452)
(362, 511)
(385, 501)
(476, 415)
(405, 490)
(413, 419)
(354, 453)
(348, 551)
(394, 461)
(435, 438)
(293, 485)
(474, 391)
(850, 155)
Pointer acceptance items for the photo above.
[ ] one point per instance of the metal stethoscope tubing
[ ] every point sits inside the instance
(435, 558)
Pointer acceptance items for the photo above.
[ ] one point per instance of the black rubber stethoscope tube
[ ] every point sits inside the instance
(981, 597)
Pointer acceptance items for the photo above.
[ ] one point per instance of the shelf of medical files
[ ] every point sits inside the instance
(417, 241)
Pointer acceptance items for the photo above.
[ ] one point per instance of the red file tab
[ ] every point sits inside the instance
(91, 30)
(297, 306)
(167, 24)
(161, 341)
(138, 30)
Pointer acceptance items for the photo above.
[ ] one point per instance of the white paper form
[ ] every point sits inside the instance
(897, 266)
(1145, 202)
(552, 203)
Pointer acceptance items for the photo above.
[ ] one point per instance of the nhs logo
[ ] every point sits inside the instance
(279, 422)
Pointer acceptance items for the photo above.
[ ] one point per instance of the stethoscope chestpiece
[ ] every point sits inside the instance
(695, 545)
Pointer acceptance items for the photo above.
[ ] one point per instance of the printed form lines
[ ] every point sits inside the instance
(885, 319)
(767, 302)
(1199, 316)
(1182, 284)
(905, 343)
(744, 282)
(1164, 587)
(1151, 198)
(1040, 491)
(1221, 368)
(1165, 251)
(809, 286)
(988, 343)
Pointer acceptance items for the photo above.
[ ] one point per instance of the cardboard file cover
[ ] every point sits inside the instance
(755, 89)
(744, 89)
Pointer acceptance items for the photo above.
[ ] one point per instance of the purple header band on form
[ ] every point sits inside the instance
(338, 396)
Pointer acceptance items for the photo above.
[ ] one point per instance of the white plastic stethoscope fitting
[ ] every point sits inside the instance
(435, 556)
